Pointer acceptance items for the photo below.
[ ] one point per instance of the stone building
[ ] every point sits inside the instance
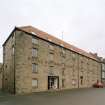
(0, 75)
(36, 61)
(102, 62)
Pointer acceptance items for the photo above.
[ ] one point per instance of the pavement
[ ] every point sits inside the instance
(91, 96)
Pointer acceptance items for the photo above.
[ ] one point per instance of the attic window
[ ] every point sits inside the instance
(34, 40)
(62, 45)
(50, 40)
(34, 33)
(63, 51)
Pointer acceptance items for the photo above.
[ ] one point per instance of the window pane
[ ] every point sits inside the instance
(63, 52)
(73, 56)
(34, 40)
(13, 50)
(34, 52)
(103, 67)
(34, 82)
(34, 68)
(103, 74)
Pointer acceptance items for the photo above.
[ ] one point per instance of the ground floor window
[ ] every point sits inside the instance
(34, 83)
(103, 74)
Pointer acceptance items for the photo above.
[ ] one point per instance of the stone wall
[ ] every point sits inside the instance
(8, 65)
(76, 70)
(23, 63)
(69, 66)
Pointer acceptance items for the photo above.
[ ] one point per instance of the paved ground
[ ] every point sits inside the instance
(68, 97)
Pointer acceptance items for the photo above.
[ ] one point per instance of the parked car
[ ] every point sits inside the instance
(98, 84)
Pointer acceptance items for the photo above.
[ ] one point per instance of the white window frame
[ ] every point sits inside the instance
(34, 68)
(13, 50)
(73, 56)
(34, 40)
(34, 52)
(63, 51)
(103, 74)
(34, 82)
(103, 67)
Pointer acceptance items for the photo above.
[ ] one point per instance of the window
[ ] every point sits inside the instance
(51, 68)
(103, 74)
(74, 82)
(34, 40)
(63, 65)
(34, 83)
(63, 69)
(34, 52)
(63, 52)
(13, 50)
(51, 56)
(103, 67)
(34, 68)
(51, 47)
(73, 56)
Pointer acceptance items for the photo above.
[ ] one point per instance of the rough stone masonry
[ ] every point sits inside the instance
(35, 61)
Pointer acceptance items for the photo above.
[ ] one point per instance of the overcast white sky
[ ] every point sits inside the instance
(82, 21)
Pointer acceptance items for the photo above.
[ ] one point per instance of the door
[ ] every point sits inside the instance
(53, 82)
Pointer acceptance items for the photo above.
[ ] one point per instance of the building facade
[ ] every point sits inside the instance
(36, 61)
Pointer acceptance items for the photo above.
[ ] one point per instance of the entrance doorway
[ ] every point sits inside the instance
(53, 82)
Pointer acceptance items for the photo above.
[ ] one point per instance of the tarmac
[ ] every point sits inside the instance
(91, 96)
